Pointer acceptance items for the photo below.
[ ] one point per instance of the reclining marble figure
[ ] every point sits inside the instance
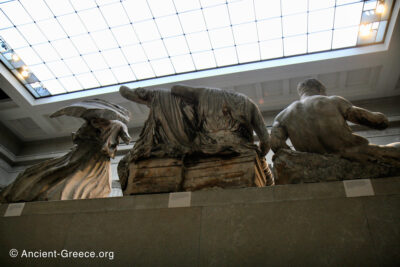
(187, 121)
(317, 124)
(85, 171)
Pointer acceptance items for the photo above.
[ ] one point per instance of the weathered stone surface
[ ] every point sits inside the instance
(84, 172)
(291, 167)
(317, 123)
(157, 175)
(186, 121)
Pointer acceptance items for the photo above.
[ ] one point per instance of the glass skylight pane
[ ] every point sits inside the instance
(248, 52)
(343, 2)
(345, 37)
(225, 56)
(134, 53)
(348, 15)
(95, 61)
(54, 87)
(105, 77)
(114, 58)
(369, 5)
(271, 49)
(241, 11)
(42, 72)
(104, 40)
(77, 65)
(143, 70)
(114, 14)
(83, 4)
(169, 26)
(293, 6)
(155, 50)
(51, 29)
(267, 9)
(32, 34)
(4, 21)
(192, 21)
(46, 52)
(70, 83)
(84, 44)
(93, 19)
(65, 48)
(320, 20)
(320, 4)
(216, 17)
(319, 41)
(183, 63)
(295, 45)
(162, 67)
(124, 74)
(204, 60)
(28, 55)
(87, 80)
(186, 5)
(381, 31)
(13, 38)
(161, 8)
(147, 31)
(176, 46)
(37, 9)
(245, 33)
(59, 68)
(105, 2)
(137, 10)
(16, 12)
(221, 37)
(269, 29)
(71, 24)
(295, 24)
(60, 7)
(198, 41)
(125, 35)
(205, 3)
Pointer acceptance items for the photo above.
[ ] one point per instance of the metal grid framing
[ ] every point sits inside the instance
(72, 45)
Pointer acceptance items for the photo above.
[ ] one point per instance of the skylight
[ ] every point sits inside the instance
(61, 46)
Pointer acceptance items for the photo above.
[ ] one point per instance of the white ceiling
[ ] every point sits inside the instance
(71, 45)
(355, 73)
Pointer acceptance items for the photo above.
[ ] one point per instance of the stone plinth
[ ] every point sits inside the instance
(292, 167)
(158, 175)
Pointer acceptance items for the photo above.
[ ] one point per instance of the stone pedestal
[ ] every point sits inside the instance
(292, 167)
(158, 175)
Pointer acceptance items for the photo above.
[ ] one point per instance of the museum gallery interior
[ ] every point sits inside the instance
(200, 132)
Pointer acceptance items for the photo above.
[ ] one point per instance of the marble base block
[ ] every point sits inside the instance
(157, 175)
(293, 167)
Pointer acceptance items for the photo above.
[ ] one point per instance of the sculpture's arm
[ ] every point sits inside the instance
(362, 116)
(189, 94)
(279, 136)
(134, 95)
(261, 131)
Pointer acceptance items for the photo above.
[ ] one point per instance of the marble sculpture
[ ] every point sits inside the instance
(85, 171)
(186, 121)
(317, 124)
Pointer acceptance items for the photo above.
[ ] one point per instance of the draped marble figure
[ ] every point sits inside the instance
(195, 121)
(85, 171)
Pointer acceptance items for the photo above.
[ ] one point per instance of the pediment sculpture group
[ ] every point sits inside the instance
(190, 124)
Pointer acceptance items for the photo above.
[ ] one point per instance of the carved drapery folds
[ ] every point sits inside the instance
(196, 123)
(85, 171)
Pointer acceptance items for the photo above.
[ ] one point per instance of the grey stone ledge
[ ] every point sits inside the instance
(215, 197)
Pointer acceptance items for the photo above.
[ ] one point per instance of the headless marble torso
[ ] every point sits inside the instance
(317, 124)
